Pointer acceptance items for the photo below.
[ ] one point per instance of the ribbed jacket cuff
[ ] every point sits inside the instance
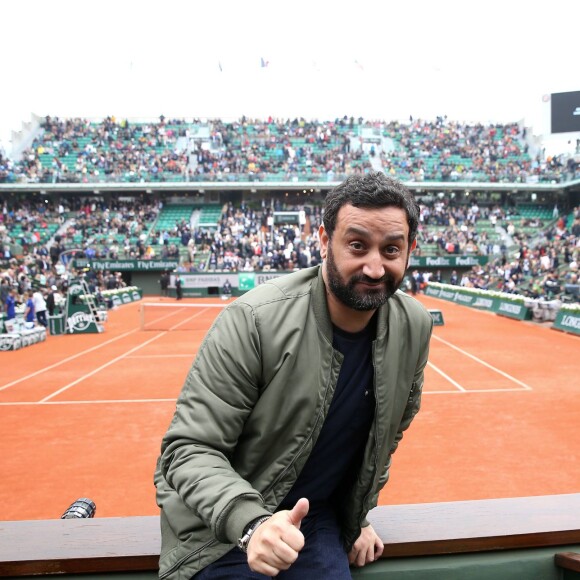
(231, 528)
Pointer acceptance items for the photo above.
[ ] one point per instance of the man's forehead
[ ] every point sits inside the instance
(350, 215)
(385, 209)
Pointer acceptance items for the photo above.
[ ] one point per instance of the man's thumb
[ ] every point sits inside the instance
(299, 511)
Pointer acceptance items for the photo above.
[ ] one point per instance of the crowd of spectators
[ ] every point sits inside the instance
(295, 149)
(450, 151)
(77, 150)
(545, 266)
(248, 240)
(538, 264)
(455, 229)
(541, 262)
(118, 231)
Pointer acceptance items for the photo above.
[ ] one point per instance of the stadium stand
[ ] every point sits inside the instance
(82, 151)
(528, 241)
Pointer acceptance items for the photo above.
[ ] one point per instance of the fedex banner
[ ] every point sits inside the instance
(447, 261)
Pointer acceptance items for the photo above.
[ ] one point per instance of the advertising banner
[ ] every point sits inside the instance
(246, 281)
(514, 310)
(126, 265)
(568, 321)
(204, 281)
(447, 261)
(505, 307)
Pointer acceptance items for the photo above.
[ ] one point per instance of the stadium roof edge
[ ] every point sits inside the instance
(202, 186)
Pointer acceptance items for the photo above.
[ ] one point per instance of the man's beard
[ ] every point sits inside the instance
(357, 299)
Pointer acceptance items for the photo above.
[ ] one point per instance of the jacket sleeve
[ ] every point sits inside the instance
(219, 394)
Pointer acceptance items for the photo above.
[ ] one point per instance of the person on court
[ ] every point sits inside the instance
(299, 395)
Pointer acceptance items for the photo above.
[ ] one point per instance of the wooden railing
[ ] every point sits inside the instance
(105, 545)
(568, 561)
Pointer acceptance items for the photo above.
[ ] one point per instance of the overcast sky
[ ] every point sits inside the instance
(481, 61)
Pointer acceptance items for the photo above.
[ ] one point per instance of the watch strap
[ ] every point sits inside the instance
(249, 531)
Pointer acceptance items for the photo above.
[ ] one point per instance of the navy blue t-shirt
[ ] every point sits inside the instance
(337, 453)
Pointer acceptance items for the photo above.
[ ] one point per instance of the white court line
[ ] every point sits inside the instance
(446, 376)
(186, 304)
(65, 360)
(104, 401)
(163, 356)
(61, 390)
(453, 392)
(162, 318)
(186, 320)
(130, 401)
(171, 314)
(482, 362)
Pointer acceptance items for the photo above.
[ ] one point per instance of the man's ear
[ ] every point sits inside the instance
(323, 237)
(411, 248)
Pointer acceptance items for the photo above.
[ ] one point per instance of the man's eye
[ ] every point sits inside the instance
(356, 246)
(392, 250)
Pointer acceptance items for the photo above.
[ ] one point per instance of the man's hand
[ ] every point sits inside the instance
(274, 546)
(367, 548)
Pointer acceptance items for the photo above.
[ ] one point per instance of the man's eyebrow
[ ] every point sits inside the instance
(362, 232)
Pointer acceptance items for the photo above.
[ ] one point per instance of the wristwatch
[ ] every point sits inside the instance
(248, 531)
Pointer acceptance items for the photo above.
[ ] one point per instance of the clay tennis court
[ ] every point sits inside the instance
(83, 415)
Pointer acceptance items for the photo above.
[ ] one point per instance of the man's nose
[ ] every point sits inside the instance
(374, 267)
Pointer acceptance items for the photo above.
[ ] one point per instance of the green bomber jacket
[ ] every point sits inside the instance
(252, 407)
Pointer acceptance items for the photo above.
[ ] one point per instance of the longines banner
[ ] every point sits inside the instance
(126, 265)
(447, 261)
(568, 321)
(504, 307)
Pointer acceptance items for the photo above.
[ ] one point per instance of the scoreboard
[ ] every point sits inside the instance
(565, 112)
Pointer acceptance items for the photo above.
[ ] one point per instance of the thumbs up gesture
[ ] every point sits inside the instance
(275, 545)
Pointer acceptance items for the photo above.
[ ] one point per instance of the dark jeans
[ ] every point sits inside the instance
(323, 556)
(41, 317)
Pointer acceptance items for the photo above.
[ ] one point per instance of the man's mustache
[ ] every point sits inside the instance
(369, 280)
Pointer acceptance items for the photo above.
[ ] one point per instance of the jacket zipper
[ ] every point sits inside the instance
(185, 558)
(375, 454)
(283, 473)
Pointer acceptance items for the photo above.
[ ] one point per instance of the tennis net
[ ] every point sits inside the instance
(178, 316)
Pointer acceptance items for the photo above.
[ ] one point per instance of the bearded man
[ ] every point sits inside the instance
(299, 395)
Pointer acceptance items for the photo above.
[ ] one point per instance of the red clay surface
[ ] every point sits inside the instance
(83, 415)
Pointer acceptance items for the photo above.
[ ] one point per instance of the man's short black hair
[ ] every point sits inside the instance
(371, 190)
